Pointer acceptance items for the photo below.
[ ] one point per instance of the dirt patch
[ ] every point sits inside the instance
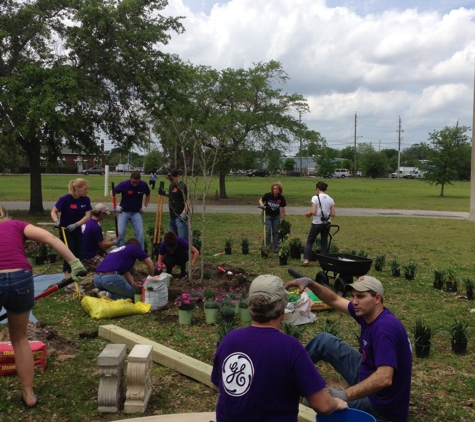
(56, 345)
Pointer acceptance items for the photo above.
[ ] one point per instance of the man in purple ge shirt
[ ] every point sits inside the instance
(379, 377)
(131, 207)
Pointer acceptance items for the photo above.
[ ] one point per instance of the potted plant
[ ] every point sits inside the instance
(459, 337)
(295, 244)
(284, 252)
(245, 243)
(293, 330)
(228, 311)
(422, 334)
(451, 280)
(283, 230)
(241, 278)
(228, 243)
(363, 254)
(222, 328)
(185, 304)
(265, 251)
(410, 270)
(244, 312)
(50, 254)
(395, 268)
(469, 284)
(315, 250)
(379, 262)
(211, 310)
(32, 250)
(197, 296)
(138, 287)
(209, 293)
(439, 277)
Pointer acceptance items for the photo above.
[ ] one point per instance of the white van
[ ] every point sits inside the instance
(341, 173)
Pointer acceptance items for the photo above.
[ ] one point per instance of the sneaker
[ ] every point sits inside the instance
(71, 288)
(103, 293)
(94, 292)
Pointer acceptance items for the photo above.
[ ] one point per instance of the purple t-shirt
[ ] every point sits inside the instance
(12, 245)
(385, 342)
(132, 196)
(91, 236)
(261, 374)
(72, 210)
(182, 245)
(121, 259)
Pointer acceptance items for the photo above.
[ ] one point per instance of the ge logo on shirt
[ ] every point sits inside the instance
(238, 372)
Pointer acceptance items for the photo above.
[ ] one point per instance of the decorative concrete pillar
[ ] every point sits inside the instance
(139, 366)
(111, 372)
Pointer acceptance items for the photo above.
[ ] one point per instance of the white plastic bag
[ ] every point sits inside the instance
(156, 291)
(299, 312)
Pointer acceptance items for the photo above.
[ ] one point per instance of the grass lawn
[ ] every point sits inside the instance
(443, 385)
(359, 192)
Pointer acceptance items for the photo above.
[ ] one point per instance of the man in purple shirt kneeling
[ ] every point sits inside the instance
(379, 377)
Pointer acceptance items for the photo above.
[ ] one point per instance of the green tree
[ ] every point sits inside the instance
(374, 163)
(289, 164)
(73, 71)
(324, 163)
(153, 161)
(446, 151)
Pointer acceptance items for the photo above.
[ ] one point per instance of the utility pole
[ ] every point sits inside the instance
(354, 166)
(399, 147)
(300, 138)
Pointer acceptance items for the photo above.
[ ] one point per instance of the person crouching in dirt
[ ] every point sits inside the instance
(93, 239)
(113, 277)
(174, 251)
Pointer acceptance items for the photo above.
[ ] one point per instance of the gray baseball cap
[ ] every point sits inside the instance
(268, 285)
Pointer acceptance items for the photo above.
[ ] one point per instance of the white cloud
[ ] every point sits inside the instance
(416, 63)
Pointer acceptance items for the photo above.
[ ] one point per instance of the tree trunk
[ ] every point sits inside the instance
(222, 186)
(442, 189)
(36, 194)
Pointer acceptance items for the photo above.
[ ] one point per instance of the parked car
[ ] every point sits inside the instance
(341, 173)
(259, 172)
(94, 170)
(393, 175)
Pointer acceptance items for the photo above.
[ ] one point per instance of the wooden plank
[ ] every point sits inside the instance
(177, 361)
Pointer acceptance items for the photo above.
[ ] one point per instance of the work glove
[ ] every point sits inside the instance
(143, 208)
(72, 227)
(162, 192)
(302, 283)
(118, 208)
(78, 272)
(261, 206)
(57, 223)
(116, 242)
(337, 393)
(183, 217)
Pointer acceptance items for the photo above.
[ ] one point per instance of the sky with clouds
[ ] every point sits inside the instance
(380, 59)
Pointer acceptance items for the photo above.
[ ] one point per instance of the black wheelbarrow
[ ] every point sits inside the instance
(343, 268)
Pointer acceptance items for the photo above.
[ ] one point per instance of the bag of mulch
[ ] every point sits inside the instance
(299, 312)
(104, 307)
(156, 291)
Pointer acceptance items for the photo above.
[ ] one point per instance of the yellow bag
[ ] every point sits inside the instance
(100, 308)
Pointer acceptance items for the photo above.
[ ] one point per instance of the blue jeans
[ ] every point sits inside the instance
(17, 291)
(116, 285)
(178, 227)
(272, 224)
(346, 361)
(135, 219)
(315, 230)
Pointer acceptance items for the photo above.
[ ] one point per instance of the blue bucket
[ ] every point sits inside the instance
(347, 415)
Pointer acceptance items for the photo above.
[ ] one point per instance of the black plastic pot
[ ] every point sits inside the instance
(378, 268)
(264, 254)
(470, 294)
(396, 273)
(438, 284)
(451, 286)
(51, 258)
(227, 251)
(283, 260)
(295, 252)
(409, 276)
(422, 350)
(459, 348)
(245, 251)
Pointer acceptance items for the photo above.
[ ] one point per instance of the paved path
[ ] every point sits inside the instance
(250, 209)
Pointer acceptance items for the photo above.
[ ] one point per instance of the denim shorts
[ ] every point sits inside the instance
(17, 291)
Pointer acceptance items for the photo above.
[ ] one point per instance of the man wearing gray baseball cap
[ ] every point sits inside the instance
(261, 372)
(379, 377)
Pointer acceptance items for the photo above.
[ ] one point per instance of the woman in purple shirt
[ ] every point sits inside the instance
(75, 209)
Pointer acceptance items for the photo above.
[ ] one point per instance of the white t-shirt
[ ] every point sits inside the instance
(327, 204)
